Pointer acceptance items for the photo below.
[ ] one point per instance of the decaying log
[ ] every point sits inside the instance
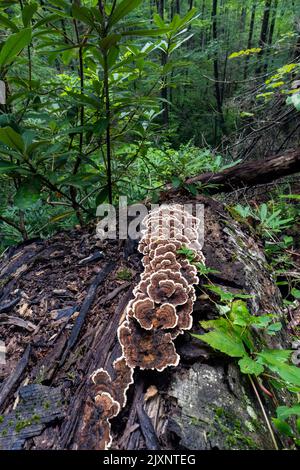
(9, 384)
(204, 403)
(251, 173)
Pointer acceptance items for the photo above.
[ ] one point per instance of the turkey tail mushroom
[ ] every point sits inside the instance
(160, 310)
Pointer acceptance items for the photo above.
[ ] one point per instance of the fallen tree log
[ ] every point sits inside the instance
(251, 173)
(204, 403)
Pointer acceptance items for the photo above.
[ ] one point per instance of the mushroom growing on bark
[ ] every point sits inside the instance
(160, 310)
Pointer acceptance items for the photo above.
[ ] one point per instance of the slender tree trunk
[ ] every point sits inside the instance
(164, 59)
(220, 117)
(271, 33)
(264, 33)
(250, 37)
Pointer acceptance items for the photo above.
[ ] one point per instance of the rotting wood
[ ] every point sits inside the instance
(14, 378)
(147, 429)
(88, 301)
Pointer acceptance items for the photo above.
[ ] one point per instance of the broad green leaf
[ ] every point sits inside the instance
(28, 12)
(109, 41)
(274, 327)
(295, 293)
(223, 338)
(275, 360)
(28, 192)
(14, 45)
(122, 9)
(249, 366)
(102, 196)
(83, 14)
(240, 314)
(283, 427)
(11, 138)
(284, 412)
(276, 355)
(158, 21)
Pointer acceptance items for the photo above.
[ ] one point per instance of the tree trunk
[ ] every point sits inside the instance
(220, 117)
(264, 33)
(164, 87)
(76, 305)
(250, 37)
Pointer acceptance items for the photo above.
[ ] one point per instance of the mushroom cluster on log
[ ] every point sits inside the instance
(160, 310)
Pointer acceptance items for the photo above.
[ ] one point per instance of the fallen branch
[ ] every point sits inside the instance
(251, 173)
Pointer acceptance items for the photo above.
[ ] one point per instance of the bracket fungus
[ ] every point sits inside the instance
(160, 310)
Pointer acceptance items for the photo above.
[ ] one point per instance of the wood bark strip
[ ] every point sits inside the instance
(14, 378)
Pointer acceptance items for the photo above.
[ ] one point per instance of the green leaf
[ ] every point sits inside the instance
(224, 338)
(274, 327)
(227, 343)
(275, 360)
(146, 32)
(14, 45)
(122, 9)
(28, 12)
(109, 41)
(176, 182)
(102, 196)
(295, 100)
(295, 293)
(283, 427)
(83, 14)
(263, 212)
(8, 23)
(6, 167)
(11, 138)
(240, 314)
(284, 412)
(249, 366)
(276, 355)
(28, 192)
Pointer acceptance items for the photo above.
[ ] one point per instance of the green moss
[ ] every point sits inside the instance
(234, 431)
(124, 274)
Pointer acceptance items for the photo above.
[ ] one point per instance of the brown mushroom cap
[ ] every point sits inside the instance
(165, 261)
(94, 427)
(189, 272)
(147, 349)
(184, 312)
(166, 286)
(123, 380)
(151, 316)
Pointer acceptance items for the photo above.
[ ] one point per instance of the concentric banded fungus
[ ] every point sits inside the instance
(160, 310)
(147, 349)
(151, 316)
